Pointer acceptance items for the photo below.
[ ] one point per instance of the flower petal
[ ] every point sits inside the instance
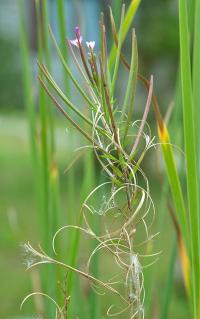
(74, 42)
(90, 44)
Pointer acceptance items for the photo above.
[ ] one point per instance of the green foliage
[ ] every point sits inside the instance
(190, 150)
(11, 96)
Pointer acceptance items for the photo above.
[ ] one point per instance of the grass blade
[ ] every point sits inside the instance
(190, 149)
(27, 83)
(196, 78)
(174, 180)
(132, 81)
(169, 283)
(118, 53)
(125, 28)
(47, 55)
(116, 7)
(62, 35)
(44, 157)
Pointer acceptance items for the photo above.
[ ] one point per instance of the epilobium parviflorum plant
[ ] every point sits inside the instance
(122, 203)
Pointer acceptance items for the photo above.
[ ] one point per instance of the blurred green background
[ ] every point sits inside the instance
(156, 26)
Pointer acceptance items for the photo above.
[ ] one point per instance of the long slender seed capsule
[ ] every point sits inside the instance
(66, 67)
(61, 94)
(146, 111)
(131, 86)
(94, 66)
(59, 107)
(108, 101)
(93, 71)
(119, 48)
(102, 39)
(104, 52)
(65, 99)
(143, 80)
(83, 56)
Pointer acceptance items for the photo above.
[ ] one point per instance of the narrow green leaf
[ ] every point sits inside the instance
(196, 100)
(190, 149)
(169, 283)
(117, 60)
(116, 7)
(132, 80)
(44, 162)
(196, 79)
(46, 51)
(125, 28)
(62, 35)
(27, 83)
(44, 152)
(131, 87)
(174, 181)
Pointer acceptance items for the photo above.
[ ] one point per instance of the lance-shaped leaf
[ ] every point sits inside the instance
(190, 151)
(118, 53)
(131, 87)
(125, 28)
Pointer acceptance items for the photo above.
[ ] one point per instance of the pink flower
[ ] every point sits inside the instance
(78, 37)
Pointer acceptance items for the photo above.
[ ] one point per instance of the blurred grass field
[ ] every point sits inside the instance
(18, 209)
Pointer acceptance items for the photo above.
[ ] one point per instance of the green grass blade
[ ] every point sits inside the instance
(47, 55)
(196, 78)
(44, 163)
(125, 28)
(54, 223)
(27, 83)
(31, 116)
(190, 149)
(88, 185)
(191, 15)
(131, 87)
(196, 97)
(46, 44)
(116, 8)
(174, 181)
(132, 75)
(117, 60)
(62, 35)
(169, 283)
